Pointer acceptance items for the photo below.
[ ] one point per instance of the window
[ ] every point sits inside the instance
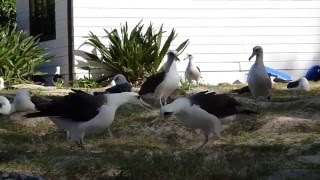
(42, 19)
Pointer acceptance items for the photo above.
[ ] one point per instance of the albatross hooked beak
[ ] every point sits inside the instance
(252, 55)
(143, 104)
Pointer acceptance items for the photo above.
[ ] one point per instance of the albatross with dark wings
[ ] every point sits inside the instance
(81, 113)
(162, 84)
(204, 111)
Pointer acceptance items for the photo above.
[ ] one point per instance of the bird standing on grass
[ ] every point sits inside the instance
(82, 113)
(162, 84)
(192, 71)
(258, 80)
(204, 111)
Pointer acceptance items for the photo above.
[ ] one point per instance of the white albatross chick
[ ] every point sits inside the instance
(22, 101)
(82, 113)
(258, 80)
(300, 84)
(5, 106)
(192, 72)
(1, 83)
(192, 116)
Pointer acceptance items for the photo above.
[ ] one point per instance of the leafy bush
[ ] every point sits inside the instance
(19, 55)
(7, 13)
(134, 54)
(85, 83)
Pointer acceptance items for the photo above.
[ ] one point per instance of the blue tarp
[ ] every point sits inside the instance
(278, 73)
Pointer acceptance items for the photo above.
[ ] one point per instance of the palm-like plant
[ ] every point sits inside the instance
(19, 55)
(134, 54)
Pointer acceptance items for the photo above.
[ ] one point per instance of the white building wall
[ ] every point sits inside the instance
(222, 33)
(57, 47)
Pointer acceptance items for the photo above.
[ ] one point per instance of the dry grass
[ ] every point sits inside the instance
(251, 147)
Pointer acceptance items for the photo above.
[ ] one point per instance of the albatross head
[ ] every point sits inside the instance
(57, 70)
(5, 106)
(175, 107)
(189, 56)
(173, 55)
(120, 79)
(256, 51)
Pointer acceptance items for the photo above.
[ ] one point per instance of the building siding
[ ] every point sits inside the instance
(221, 32)
(58, 46)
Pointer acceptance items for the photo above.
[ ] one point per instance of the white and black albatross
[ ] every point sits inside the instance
(300, 84)
(57, 78)
(121, 85)
(259, 81)
(204, 111)
(192, 72)
(162, 84)
(82, 113)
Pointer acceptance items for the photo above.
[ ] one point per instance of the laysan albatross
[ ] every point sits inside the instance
(300, 84)
(259, 81)
(192, 72)
(204, 111)
(162, 84)
(57, 78)
(22, 101)
(82, 113)
(121, 85)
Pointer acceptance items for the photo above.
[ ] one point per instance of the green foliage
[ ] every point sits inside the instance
(19, 55)
(7, 13)
(134, 54)
(85, 83)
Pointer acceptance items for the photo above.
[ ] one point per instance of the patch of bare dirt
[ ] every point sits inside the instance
(284, 123)
(19, 118)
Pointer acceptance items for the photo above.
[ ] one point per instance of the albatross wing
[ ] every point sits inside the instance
(78, 107)
(151, 83)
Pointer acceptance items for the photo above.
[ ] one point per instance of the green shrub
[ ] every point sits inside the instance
(134, 54)
(7, 13)
(19, 55)
(85, 83)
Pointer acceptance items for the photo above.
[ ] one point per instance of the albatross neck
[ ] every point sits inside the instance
(117, 99)
(171, 64)
(259, 59)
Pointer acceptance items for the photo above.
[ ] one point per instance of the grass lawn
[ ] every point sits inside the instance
(276, 141)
